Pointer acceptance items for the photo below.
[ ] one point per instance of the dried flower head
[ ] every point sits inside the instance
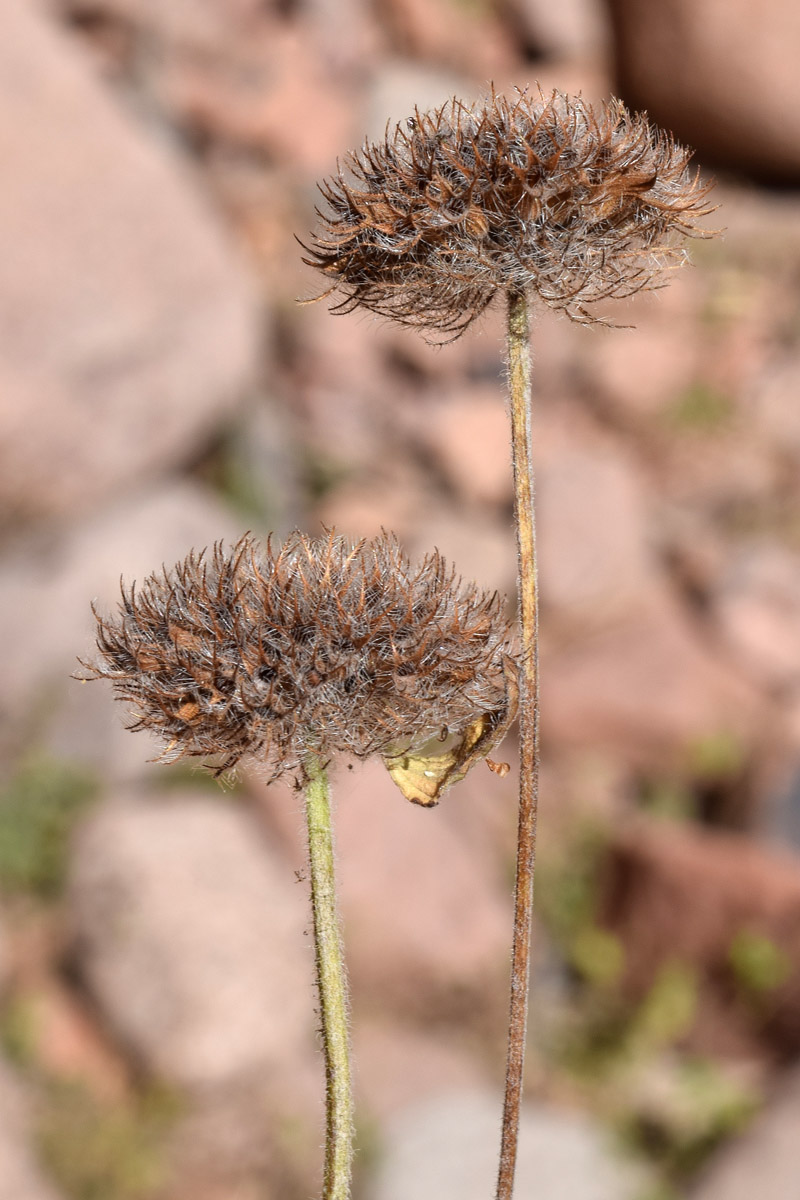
(554, 197)
(321, 647)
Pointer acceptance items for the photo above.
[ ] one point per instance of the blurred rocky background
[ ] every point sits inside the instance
(160, 388)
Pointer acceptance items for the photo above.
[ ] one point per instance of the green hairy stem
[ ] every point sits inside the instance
(332, 987)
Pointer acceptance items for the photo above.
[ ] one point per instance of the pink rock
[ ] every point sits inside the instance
(342, 391)
(274, 95)
(396, 1064)
(468, 435)
(70, 1045)
(596, 562)
(482, 550)
(773, 406)
(573, 29)
(403, 84)
(21, 1176)
(393, 496)
(453, 37)
(679, 893)
(189, 24)
(444, 1147)
(762, 1161)
(130, 330)
(649, 689)
(46, 588)
(723, 82)
(346, 34)
(757, 602)
(426, 915)
(720, 473)
(190, 935)
(639, 372)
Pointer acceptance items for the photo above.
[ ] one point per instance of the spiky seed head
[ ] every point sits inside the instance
(319, 647)
(554, 197)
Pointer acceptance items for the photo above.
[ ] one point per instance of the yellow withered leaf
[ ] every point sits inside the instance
(422, 778)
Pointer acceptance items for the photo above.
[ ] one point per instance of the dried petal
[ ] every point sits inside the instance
(422, 778)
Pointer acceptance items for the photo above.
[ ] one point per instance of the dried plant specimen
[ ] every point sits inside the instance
(317, 647)
(546, 199)
(294, 655)
(568, 203)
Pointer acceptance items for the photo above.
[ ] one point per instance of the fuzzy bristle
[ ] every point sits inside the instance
(321, 647)
(573, 203)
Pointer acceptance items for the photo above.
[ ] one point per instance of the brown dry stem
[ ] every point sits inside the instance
(519, 378)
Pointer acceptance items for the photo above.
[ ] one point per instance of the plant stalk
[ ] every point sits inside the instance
(331, 985)
(519, 379)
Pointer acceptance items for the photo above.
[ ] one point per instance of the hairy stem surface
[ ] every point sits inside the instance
(332, 987)
(519, 378)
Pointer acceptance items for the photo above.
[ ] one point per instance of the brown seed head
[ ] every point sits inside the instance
(319, 647)
(573, 203)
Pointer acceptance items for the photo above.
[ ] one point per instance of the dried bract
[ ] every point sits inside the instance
(321, 647)
(553, 197)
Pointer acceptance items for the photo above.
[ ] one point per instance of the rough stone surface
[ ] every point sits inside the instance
(596, 563)
(453, 37)
(763, 1162)
(758, 605)
(21, 1177)
(446, 1149)
(680, 893)
(478, 550)
(469, 439)
(648, 687)
(426, 915)
(191, 24)
(382, 498)
(401, 86)
(640, 372)
(128, 329)
(573, 29)
(722, 82)
(773, 403)
(284, 103)
(781, 819)
(189, 932)
(69, 1044)
(397, 1065)
(46, 589)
